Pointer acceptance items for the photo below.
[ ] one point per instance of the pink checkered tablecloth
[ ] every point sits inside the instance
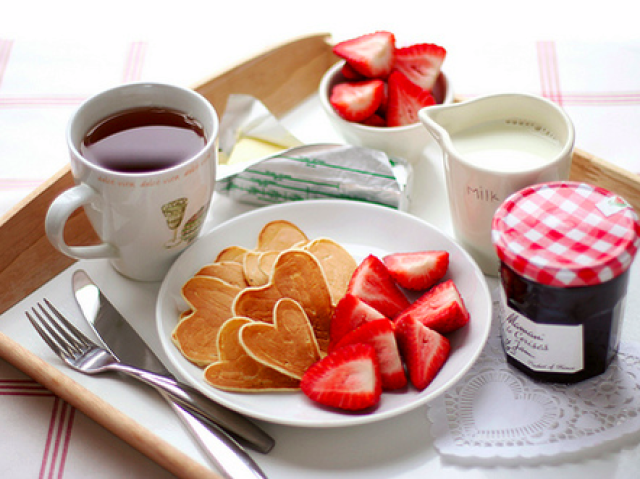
(43, 80)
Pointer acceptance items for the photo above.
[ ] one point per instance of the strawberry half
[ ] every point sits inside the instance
(371, 55)
(417, 270)
(424, 350)
(441, 309)
(349, 73)
(348, 378)
(380, 334)
(421, 63)
(372, 283)
(374, 120)
(356, 101)
(405, 99)
(349, 313)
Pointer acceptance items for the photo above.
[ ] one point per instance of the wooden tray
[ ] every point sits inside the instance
(281, 78)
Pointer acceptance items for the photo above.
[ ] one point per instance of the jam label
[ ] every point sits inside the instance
(542, 347)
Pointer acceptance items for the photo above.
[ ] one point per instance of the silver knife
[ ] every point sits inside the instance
(125, 343)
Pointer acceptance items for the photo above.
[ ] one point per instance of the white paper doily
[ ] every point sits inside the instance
(495, 413)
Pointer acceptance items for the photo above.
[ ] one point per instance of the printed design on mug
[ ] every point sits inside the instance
(174, 214)
(192, 226)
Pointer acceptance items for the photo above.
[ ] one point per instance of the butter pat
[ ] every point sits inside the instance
(248, 149)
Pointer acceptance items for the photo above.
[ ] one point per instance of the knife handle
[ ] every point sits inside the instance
(199, 404)
(230, 457)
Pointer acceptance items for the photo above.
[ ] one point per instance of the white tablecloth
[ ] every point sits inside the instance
(55, 54)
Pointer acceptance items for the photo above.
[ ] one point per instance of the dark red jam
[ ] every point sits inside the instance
(595, 310)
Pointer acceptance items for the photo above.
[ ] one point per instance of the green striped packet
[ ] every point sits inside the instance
(328, 171)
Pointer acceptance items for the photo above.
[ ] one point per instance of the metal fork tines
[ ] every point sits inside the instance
(82, 354)
(68, 342)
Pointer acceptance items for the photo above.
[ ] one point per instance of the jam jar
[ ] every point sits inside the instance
(565, 250)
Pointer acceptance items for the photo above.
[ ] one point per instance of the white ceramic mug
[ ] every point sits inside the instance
(494, 146)
(144, 219)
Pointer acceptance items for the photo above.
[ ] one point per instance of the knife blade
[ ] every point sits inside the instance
(125, 343)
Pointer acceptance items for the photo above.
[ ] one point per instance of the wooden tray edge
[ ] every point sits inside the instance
(589, 168)
(103, 413)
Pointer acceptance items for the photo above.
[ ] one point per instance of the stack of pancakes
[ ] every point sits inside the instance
(258, 318)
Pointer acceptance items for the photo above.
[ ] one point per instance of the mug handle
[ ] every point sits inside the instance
(58, 215)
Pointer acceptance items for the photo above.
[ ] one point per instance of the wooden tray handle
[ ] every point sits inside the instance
(596, 171)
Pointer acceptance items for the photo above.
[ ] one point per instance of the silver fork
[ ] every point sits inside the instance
(83, 355)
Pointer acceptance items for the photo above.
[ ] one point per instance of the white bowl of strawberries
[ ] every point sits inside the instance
(373, 95)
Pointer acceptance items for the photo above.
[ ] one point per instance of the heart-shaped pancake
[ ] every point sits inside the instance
(280, 235)
(228, 271)
(235, 370)
(288, 345)
(231, 253)
(298, 275)
(258, 265)
(254, 276)
(210, 300)
(337, 263)
(267, 261)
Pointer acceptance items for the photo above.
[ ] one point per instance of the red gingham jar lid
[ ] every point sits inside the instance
(566, 234)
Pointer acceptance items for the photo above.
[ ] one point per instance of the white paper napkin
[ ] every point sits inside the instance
(496, 414)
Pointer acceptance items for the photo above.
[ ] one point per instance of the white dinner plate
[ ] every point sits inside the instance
(363, 229)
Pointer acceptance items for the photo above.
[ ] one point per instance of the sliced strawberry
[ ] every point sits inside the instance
(405, 99)
(421, 63)
(441, 309)
(355, 101)
(381, 335)
(417, 270)
(349, 313)
(372, 283)
(382, 109)
(348, 378)
(349, 73)
(424, 350)
(374, 120)
(371, 55)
